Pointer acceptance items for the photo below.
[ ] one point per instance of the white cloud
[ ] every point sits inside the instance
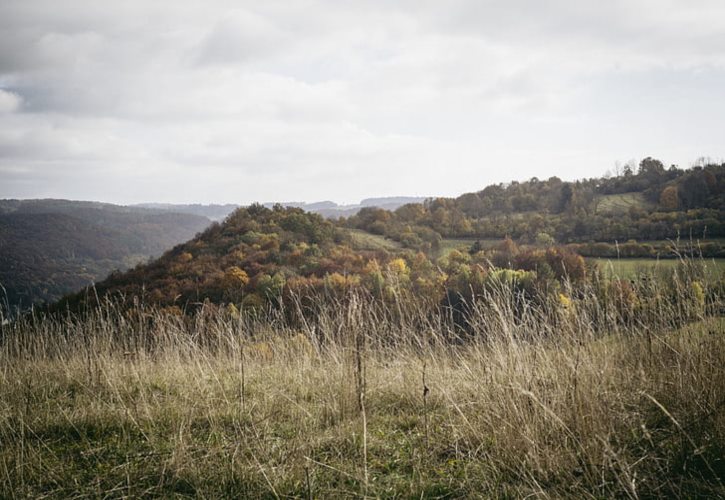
(242, 101)
(9, 101)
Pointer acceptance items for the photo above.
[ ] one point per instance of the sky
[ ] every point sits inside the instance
(233, 102)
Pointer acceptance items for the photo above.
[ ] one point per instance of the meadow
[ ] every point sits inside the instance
(575, 397)
(632, 268)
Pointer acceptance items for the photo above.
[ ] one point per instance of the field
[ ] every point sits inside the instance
(368, 241)
(618, 203)
(631, 268)
(566, 399)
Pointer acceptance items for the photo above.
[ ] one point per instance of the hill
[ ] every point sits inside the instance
(259, 254)
(248, 258)
(653, 204)
(49, 248)
(260, 257)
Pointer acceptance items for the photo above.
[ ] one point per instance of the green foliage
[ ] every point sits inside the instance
(654, 204)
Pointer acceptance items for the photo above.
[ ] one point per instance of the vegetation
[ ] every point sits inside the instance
(580, 395)
(652, 204)
(282, 354)
(49, 248)
(262, 256)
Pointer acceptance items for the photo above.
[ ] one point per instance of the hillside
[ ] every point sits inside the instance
(52, 247)
(248, 258)
(653, 204)
(259, 257)
(442, 248)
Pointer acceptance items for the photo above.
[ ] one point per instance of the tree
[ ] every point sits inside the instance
(669, 199)
(566, 197)
(651, 167)
(544, 239)
(236, 278)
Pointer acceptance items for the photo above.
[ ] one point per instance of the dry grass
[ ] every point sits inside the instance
(531, 403)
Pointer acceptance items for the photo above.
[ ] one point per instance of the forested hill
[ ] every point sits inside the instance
(52, 247)
(259, 254)
(651, 203)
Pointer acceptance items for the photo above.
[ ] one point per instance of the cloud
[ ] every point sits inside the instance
(240, 101)
(9, 102)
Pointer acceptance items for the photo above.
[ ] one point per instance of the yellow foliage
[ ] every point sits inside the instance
(234, 277)
(339, 282)
(398, 266)
(564, 301)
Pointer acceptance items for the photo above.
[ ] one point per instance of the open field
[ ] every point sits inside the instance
(559, 401)
(631, 268)
(618, 203)
(368, 241)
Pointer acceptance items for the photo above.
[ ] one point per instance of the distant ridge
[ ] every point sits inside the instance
(52, 247)
(326, 208)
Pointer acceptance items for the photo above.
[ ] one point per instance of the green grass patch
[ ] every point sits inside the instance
(618, 203)
(632, 268)
(367, 241)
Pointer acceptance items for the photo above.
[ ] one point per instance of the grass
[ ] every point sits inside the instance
(619, 203)
(368, 241)
(632, 268)
(367, 401)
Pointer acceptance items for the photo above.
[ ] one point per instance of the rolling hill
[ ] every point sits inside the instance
(52, 247)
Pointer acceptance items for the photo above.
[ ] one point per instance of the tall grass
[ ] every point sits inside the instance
(350, 397)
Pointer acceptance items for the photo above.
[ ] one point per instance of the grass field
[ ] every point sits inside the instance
(631, 268)
(618, 203)
(368, 241)
(365, 404)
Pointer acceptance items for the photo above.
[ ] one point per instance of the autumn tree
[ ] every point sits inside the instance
(669, 199)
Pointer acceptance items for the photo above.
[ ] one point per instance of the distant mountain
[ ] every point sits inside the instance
(213, 212)
(52, 247)
(332, 210)
(327, 208)
(392, 201)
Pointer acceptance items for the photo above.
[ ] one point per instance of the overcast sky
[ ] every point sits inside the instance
(213, 101)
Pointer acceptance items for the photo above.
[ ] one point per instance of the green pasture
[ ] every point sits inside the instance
(631, 268)
(618, 203)
(367, 241)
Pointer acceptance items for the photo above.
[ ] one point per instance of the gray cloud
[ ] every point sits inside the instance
(242, 101)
